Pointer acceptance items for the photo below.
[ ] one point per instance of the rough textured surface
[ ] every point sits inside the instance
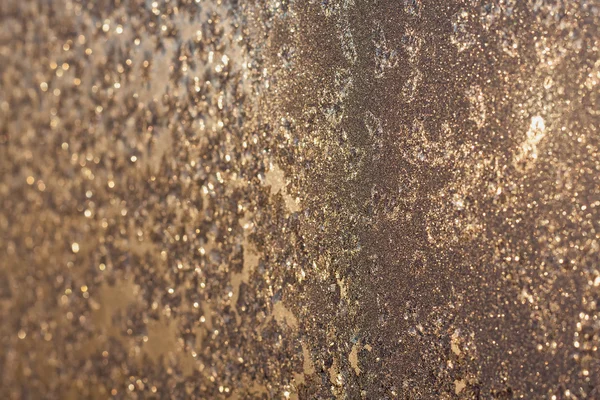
(304, 199)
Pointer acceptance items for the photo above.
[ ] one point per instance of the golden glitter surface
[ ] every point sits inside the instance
(303, 199)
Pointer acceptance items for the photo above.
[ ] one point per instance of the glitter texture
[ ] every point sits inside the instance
(299, 199)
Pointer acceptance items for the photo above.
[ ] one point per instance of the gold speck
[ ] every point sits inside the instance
(75, 247)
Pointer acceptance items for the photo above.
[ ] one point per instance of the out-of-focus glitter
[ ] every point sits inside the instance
(288, 199)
